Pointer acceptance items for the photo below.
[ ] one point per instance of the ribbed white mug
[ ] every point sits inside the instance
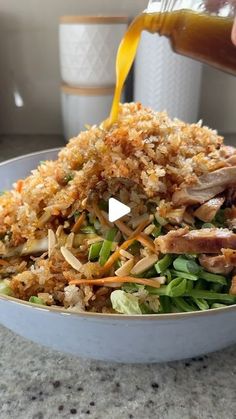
(88, 46)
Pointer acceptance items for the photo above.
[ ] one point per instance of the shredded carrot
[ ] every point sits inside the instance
(123, 227)
(113, 258)
(78, 223)
(118, 279)
(146, 241)
(141, 237)
(4, 262)
(100, 215)
(140, 228)
(133, 235)
(19, 185)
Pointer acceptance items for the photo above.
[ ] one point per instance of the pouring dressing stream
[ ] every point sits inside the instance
(198, 35)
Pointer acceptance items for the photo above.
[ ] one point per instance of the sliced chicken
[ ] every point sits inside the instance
(215, 264)
(207, 240)
(209, 185)
(206, 212)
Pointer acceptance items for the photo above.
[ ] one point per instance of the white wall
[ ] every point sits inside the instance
(29, 64)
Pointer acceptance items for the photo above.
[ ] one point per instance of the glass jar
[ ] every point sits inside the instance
(198, 29)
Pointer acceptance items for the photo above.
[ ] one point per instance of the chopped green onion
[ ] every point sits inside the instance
(69, 177)
(131, 287)
(219, 279)
(190, 285)
(42, 162)
(94, 251)
(200, 285)
(211, 295)
(157, 291)
(182, 305)
(208, 295)
(88, 230)
(176, 287)
(156, 232)
(165, 304)
(5, 289)
(106, 246)
(37, 300)
(186, 265)
(163, 263)
(216, 287)
(185, 275)
(201, 303)
(218, 305)
(208, 225)
(160, 220)
(168, 275)
(76, 214)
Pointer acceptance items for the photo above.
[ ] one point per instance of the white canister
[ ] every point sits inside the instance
(165, 80)
(88, 46)
(84, 106)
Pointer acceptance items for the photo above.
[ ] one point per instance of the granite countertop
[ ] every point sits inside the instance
(37, 383)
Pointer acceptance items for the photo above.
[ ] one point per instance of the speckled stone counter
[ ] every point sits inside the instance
(41, 384)
(37, 383)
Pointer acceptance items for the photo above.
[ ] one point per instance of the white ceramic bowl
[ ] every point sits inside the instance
(81, 106)
(88, 46)
(118, 338)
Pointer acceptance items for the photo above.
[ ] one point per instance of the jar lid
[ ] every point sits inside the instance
(87, 91)
(97, 19)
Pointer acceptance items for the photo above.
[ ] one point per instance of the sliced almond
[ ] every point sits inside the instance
(126, 254)
(59, 230)
(144, 264)
(71, 259)
(70, 240)
(35, 246)
(125, 269)
(44, 218)
(160, 279)
(95, 240)
(149, 229)
(52, 241)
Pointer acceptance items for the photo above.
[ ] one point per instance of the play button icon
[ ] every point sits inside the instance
(116, 210)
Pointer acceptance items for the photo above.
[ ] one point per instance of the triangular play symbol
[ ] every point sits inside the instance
(116, 210)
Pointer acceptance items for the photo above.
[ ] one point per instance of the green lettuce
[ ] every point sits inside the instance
(125, 303)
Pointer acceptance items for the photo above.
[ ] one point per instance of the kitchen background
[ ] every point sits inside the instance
(29, 66)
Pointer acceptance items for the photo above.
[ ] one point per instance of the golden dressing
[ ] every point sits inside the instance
(204, 37)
